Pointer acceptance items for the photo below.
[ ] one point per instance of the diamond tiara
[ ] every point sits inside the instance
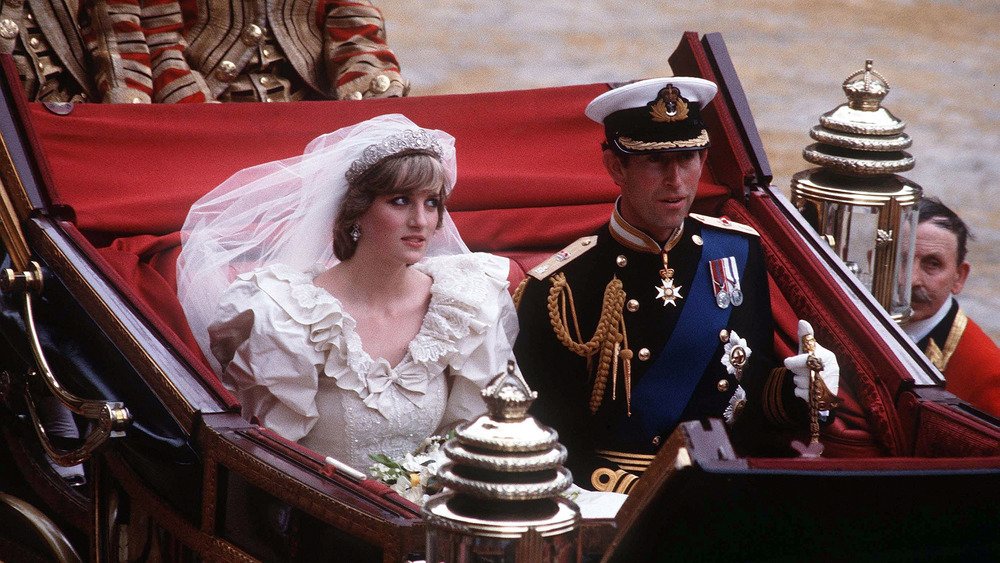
(407, 140)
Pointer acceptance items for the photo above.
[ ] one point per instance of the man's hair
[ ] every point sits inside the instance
(931, 209)
(621, 156)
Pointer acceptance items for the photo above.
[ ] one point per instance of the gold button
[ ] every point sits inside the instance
(8, 28)
(354, 96)
(586, 242)
(723, 385)
(632, 305)
(252, 35)
(656, 440)
(34, 42)
(268, 99)
(644, 354)
(30, 16)
(226, 71)
(264, 80)
(724, 335)
(622, 261)
(267, 52)
(379, 84)
(136, 100)
(697, 240)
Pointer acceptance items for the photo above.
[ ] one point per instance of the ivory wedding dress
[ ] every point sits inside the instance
(292, 355)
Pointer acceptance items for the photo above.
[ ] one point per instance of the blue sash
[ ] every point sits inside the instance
(666, 387)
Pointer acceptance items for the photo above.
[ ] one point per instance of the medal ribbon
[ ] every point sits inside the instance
(732, 274)
(720, 282)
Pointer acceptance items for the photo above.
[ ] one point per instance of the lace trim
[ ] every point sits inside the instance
(458, 292)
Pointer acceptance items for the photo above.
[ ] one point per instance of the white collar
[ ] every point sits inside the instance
(918, 330)
(632, 237)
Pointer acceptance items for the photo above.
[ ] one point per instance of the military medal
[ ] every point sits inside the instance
(726, 282)
(737, 297)
(719, 285)
(733, 281)
(666, 290)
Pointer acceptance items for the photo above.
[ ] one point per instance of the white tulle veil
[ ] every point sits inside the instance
(283, 212)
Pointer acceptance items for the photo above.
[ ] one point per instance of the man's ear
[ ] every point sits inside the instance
(614, 166)
(961, 274)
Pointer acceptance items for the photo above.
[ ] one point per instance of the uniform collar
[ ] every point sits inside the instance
(632, 237)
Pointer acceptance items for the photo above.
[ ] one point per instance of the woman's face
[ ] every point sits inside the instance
(398, 227)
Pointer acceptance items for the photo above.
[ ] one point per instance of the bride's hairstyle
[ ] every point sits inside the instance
(404, 173)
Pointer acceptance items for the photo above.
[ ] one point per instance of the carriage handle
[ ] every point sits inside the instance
(110, 418)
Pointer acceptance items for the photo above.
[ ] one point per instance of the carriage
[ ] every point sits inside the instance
(93, 200)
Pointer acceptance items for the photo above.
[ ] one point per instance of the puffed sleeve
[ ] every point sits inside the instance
(360, 63)
(484, 353)
(267, 359)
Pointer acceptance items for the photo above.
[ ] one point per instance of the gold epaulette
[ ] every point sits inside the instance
(724, 223)
(553, 263)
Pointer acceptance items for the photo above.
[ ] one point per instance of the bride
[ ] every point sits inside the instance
(334, 296)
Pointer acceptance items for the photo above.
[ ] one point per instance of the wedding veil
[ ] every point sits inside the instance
(283, 212)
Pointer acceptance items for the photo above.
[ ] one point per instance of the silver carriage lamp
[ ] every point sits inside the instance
(855, 199)
(503, 478)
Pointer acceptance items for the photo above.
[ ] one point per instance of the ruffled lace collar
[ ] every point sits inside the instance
(458, 292)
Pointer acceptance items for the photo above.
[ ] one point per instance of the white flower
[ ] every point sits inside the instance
(414, 473)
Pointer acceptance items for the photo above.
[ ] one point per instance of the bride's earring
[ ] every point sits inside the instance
(355, 232)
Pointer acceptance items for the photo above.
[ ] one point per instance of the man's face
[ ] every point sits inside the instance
(936, 271)
(657, 189)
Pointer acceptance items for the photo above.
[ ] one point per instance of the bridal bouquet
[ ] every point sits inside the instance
(414, 476)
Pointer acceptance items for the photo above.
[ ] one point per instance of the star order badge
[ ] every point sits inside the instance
(666, 290)
(668, 293)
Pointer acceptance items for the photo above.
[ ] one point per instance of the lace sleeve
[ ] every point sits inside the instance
(267, 360)
(483, 356)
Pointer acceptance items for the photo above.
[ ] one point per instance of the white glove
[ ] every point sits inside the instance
(797, 365)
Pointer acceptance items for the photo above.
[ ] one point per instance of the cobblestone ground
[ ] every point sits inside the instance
(941, 58)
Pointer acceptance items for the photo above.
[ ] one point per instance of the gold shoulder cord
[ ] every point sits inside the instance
(609, 340)
(519, 292)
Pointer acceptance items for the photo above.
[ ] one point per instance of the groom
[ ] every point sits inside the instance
(662, 315)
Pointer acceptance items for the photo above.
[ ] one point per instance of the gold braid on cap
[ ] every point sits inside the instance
(608, 339)
(631, 144)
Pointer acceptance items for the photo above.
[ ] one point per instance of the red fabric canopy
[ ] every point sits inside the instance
(129, 170)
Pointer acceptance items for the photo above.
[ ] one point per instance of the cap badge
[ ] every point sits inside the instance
(669, 106)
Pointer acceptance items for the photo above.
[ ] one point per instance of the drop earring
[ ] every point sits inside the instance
(355, 232)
